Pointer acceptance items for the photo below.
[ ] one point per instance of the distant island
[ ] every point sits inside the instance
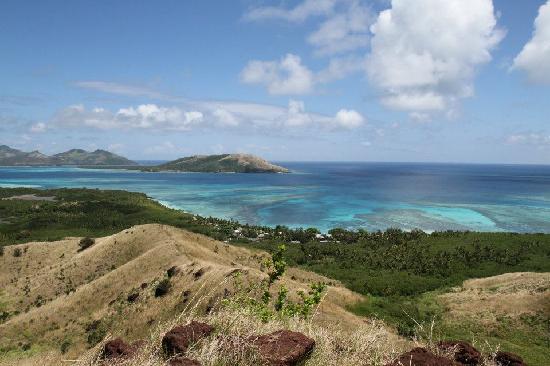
(224, 163)
(14, 157)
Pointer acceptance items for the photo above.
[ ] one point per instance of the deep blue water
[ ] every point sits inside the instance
(325, 195)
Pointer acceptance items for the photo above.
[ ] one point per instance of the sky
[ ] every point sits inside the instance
(307, 80)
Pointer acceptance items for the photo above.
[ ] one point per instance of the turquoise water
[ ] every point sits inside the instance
(325, 195)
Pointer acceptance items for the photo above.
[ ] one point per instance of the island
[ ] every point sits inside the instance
(223, 163)
(14, 157)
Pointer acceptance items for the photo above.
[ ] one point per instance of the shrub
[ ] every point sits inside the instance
(1, 251)
(17, 252)
(96, 331)
(163, 287)
(86, 243)
(65, 346)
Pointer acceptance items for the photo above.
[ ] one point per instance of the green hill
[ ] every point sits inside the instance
(224, 163)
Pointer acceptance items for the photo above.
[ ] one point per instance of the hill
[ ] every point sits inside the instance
(9, 157)
(14, 157)
(97, 157)
(65, 299)
(225, 163)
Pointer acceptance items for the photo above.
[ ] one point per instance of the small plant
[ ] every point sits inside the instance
(65, 346)
(282, 306)
(85, 243)
(163, 287)
(17, 252)
(96, 331)
(1, 251)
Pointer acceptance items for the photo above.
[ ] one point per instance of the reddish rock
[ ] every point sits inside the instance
(183, 361)
(177, 340)
(117, 348)
(463, 352)
(508, 359)
(421, 357)
(283, 348)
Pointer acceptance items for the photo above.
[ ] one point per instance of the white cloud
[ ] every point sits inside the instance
(39, 127)
(344, 31)
(533, 139)
(338, 68)
(349, 118)
(251, 117)
(425, 52)
(145, 116)
(534, 58)
(301, 12)
(120, 89)
(287, 76)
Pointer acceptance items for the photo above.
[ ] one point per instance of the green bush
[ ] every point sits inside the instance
(85, 243)
(163, 287)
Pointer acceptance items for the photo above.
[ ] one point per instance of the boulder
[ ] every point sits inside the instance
(183, 361)
(508, 359)
(117, 349)
(421, 357)
(283, 347)
(463, 352)
(178, 339)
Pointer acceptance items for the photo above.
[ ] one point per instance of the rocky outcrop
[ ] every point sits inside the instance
(283, 347)
(117, 349)
(178, 339)
(463, 352)
(421, 357)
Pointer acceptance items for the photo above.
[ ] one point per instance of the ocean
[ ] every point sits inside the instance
(372, 196)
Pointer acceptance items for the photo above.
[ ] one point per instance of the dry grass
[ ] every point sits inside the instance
(510, 294)
(368, 344)
(101, 277)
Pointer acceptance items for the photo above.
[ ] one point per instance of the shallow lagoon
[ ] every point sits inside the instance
(325, 195)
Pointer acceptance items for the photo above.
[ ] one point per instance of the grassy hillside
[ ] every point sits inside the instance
(403, 276)
(62, 299)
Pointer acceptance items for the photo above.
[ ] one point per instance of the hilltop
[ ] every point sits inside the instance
(224, 163)
(14, 157)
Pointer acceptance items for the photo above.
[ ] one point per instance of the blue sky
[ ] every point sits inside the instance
(366, 80)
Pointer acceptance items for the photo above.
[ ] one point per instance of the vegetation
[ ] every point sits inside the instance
(9, 157)
(400, 273)
(228, 163)
(85, 243)
(258, 297)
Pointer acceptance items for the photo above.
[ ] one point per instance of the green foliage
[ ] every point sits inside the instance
(17, 252)
(258, 296)
(95, 331)
(85, 243)
(65, 345)
(163, 287)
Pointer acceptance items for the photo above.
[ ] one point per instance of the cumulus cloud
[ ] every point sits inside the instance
(286, 76)
(146, 116)
(349, 118)
(343, 31)
(425, 52)
(534, 58)
(301, 12)
(207, 114)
